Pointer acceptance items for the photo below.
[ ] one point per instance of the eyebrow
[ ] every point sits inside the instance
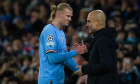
(69, 15)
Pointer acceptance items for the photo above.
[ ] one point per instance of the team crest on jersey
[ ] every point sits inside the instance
(50, 38)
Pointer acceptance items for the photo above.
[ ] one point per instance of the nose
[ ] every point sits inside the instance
(69, 18)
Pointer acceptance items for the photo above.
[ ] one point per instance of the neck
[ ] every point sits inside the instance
(57, 24)
(101, 27)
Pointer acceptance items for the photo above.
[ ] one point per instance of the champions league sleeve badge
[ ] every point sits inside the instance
(50, 38)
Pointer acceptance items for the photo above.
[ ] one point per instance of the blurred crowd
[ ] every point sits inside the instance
(21, 22)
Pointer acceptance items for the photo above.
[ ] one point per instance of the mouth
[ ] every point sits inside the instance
(67, 22)
(88, 28)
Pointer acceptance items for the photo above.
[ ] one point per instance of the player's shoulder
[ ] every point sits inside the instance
(48, 29)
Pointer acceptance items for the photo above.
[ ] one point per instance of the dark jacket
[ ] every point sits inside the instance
(102, 65)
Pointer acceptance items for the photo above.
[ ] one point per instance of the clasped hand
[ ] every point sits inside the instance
(80, 48)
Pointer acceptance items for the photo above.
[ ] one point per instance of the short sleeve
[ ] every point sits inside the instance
(49, 40)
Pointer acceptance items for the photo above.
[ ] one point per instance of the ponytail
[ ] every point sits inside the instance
(52, 16)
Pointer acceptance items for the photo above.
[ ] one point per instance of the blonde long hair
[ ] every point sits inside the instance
(54, 9)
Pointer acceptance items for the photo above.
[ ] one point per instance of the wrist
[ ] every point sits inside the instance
(74, 53)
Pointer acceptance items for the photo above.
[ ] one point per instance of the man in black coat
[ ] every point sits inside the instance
(102, 65)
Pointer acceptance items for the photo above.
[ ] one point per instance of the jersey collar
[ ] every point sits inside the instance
(55, 27)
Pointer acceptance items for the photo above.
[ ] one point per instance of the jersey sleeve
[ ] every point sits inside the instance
(50, 41)
(72, 64)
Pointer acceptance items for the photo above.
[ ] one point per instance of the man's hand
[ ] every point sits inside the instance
(80, 48)
(79, 72)
(75, 45)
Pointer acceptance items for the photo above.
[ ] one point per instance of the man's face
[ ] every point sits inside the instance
(91, 23)
(65, 16)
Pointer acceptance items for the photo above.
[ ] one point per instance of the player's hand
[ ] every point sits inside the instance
(75, 45)
(80, 48)
(79, 72)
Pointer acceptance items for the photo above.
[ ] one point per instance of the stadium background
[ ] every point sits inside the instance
(21, 22)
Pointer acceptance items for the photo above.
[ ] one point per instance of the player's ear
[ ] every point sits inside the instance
(98, 22)
(58, 13)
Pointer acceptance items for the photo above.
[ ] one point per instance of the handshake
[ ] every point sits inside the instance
(80, 48)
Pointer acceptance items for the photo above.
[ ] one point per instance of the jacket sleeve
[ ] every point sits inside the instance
(85, 69)
(104, 46)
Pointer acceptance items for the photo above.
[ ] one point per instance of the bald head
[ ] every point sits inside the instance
(98, 15)
(96, 20)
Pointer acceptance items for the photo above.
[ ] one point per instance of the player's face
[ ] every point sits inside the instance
(91, 24)
(66, 15)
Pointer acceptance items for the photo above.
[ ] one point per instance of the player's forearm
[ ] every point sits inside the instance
(61, 57)
(71, 64)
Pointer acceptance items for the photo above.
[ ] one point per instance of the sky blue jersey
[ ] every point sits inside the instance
(53, 55)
